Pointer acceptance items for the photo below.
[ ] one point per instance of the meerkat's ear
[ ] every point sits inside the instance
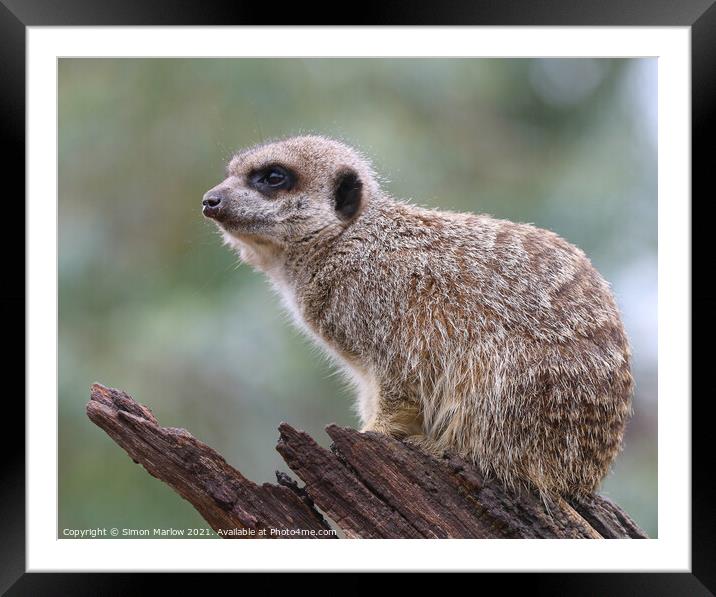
(348, 194)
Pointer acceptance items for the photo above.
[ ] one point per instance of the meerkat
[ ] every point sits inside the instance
(462, 333)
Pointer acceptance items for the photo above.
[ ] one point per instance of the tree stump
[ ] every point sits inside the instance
(367, 485)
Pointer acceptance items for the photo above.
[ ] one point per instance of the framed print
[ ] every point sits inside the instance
(479, 221)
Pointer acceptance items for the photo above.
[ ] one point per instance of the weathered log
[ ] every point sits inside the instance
(369, 485)
(228, 501)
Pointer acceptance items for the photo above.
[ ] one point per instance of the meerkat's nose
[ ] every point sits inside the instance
(212, 204)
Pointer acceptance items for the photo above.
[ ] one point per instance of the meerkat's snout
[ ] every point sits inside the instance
(212, 203)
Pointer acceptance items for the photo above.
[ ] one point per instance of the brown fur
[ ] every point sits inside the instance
(496, 340)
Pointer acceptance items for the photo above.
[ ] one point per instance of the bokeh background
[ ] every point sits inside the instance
(151, 302)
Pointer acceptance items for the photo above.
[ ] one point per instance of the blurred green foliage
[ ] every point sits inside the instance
(152, 303)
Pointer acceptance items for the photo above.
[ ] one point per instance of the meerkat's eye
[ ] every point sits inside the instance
(272, 178)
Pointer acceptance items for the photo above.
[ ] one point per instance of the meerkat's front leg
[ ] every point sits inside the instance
(395, 417)
(404, 422)
(401, 418)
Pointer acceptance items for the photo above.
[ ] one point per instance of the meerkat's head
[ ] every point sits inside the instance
(284, 192)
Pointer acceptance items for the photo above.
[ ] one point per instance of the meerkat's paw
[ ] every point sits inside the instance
(425, 444)
(400, 425)
(398, 421)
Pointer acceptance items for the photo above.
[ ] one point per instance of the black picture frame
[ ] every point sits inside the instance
(17, 15)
